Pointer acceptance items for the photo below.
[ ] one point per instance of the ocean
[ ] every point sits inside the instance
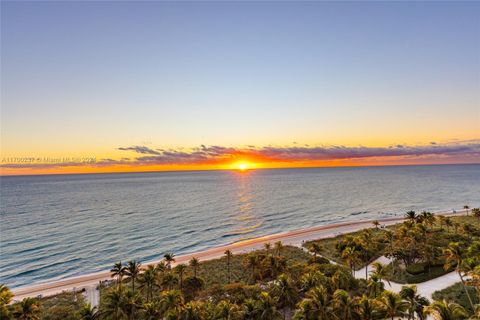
(59, 226)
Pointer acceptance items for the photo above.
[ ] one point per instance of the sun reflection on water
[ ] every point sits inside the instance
(245, 217)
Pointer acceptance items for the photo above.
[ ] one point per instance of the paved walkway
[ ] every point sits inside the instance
(425, 289)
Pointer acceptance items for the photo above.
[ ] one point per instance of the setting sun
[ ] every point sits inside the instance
(242, 166)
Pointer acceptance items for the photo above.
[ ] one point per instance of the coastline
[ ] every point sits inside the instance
(295, 238)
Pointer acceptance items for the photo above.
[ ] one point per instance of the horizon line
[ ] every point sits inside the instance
(251, 169)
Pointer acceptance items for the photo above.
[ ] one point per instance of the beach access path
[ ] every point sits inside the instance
(295, 238)
(425, 289)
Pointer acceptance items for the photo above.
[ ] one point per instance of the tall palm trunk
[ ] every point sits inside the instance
(466, 291)
(228, 270)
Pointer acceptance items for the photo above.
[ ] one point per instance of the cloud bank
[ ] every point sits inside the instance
(216, 154)
(142, 155)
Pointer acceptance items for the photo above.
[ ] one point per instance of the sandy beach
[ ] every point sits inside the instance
(295, 238)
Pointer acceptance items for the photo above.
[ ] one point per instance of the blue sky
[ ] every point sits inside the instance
(93, 76)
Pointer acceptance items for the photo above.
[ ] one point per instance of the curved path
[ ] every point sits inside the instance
(296, 238)
(425, 289)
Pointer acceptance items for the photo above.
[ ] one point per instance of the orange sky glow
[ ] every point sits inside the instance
(238, 160)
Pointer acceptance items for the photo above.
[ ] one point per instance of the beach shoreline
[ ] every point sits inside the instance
(294, 237)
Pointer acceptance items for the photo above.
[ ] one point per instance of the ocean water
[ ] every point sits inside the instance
(66, 225)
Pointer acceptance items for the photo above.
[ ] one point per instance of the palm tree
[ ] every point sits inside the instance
(341, 280)
(180, 269)
(312, 279)
(278, 248)
(446, 310)
(193, 310)
(448, 223)
(322, 302)
(393, 305)
(226, 310)
(168, 281)
(151, 311)
(228, 255)
(115, 304)
(169, 259)
(266, 308)
(390, 251)
(249, 309)
(130, 303)
(267, 247)
(89, 313)
(441, 220)
(132, 270)
(286, 293)
(5, 299)
(367, 309)
(251, 261)
(118, 271)
(344, 305)
(466, 207)
(195, 264)
(273, 264)
(416, 303)
(27, 309)
(477, 312)
(428, 218)
(306, 311)
(316, 249)
(429, 253)
(454, 257)
(411, 216)
(350, 255)
(468, 229)
(171, 303)
(476, 213)
(375, 285)
(380, 271)
(365, 253)
(455, 226)
(147, 281)
(161, 267)
(376, 223)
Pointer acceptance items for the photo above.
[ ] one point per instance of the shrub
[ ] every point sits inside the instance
(416, 268)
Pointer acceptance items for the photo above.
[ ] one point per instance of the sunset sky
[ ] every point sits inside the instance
(136, 86)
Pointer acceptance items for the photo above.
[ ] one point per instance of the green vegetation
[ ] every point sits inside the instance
(285, 282)
(416, 246)
(415, 273)
(457, 294)
(215, 272)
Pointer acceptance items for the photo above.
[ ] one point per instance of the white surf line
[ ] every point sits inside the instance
(294, 238)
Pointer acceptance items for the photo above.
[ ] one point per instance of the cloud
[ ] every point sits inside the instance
(216, 154)
(140, 149)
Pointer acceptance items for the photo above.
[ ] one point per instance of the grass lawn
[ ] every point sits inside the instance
(402, 276)
(329, 249)
(61, 306)
(215, 271)
(457, 294)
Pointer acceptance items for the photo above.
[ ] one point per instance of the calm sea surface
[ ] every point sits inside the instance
(60, 226)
